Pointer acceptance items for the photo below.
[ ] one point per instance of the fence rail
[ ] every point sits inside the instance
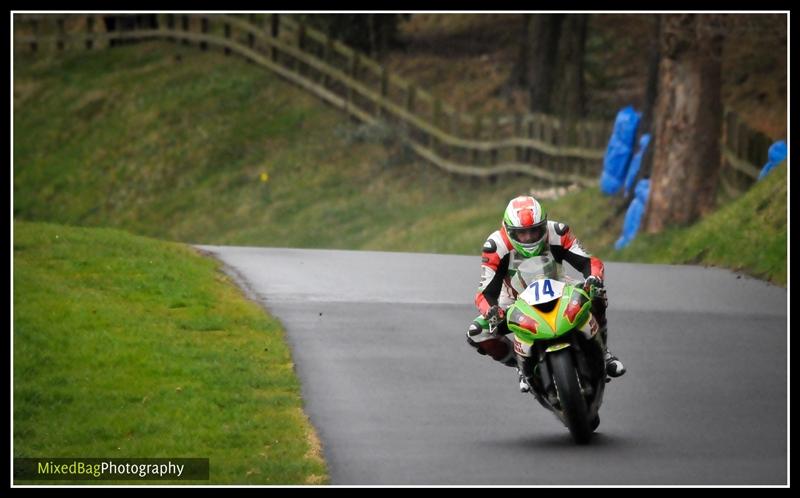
(552, 150)
(744, 153)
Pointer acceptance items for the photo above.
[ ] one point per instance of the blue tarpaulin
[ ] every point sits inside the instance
(778, 152)
(633, 217)
(619, 151)
(636, 162)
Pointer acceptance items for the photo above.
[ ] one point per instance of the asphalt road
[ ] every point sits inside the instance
(399, 398)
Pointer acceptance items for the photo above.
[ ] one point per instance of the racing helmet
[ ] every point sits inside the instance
(525, 224)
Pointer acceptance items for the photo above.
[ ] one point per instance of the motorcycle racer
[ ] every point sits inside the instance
(526, 232)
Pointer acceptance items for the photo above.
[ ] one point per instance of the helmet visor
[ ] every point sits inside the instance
(528, 235)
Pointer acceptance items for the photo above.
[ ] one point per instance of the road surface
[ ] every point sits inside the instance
(399, 398)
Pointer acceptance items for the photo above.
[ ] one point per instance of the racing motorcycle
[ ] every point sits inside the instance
(558, 348)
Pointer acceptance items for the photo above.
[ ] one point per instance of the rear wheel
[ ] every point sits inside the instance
(573, 404)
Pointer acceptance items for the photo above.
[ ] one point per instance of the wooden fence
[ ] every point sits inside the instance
(744, 153)
(554, 151)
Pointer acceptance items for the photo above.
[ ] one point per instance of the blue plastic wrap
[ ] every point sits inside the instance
(636, 162)
(778, 152)
(619, 151)
(633, 217)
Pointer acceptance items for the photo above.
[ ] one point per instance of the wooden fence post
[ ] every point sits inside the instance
(352, 71)
(301, 42)
(90, 30)
(251, 40)
(185, 27)
(60, 36)
(327, 55)
(227, 37)
(34, 40)
(327, 51)
(204, 30)
(301, 36)
(410, 97)
(171, 25)
(275, 26)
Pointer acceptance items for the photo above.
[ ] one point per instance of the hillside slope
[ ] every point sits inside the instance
(191, 146)
(750, 235)
(175, 143)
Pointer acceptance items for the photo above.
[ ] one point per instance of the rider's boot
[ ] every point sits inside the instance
(523, 384)
(614, 367)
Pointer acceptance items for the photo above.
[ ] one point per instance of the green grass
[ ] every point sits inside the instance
(131, 138)
(747, 235)
(170, 142)
(129, 347)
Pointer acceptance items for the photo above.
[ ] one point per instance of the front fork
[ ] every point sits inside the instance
(536, 370)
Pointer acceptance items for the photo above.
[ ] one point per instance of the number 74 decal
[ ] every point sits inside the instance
(542, 291)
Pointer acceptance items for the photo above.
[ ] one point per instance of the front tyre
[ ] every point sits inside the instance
(573, 405)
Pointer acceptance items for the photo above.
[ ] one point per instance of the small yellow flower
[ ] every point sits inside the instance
(264, 177)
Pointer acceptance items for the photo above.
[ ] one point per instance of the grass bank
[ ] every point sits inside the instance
(174, 143)
(129, 347)
(747, 235)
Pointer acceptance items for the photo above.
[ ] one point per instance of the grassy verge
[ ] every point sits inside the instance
(170, 142)
(747, 235)
(129, 347)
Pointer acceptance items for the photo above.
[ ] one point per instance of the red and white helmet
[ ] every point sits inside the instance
(525, 223)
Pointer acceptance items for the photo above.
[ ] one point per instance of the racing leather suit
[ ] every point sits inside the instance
(498, 264)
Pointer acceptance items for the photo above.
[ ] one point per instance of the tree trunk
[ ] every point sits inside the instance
(651, 90)
(519, 73)
(686, 160)
(646, 125)
(543, 35)
(570, 95)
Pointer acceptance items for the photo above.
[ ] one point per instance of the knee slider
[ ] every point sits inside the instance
(474, 329)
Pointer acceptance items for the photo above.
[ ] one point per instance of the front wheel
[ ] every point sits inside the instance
(573, 404)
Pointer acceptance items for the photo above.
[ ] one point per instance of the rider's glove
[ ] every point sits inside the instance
(495, 315)
(593, 282)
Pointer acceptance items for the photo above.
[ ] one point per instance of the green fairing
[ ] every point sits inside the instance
(543, 330)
